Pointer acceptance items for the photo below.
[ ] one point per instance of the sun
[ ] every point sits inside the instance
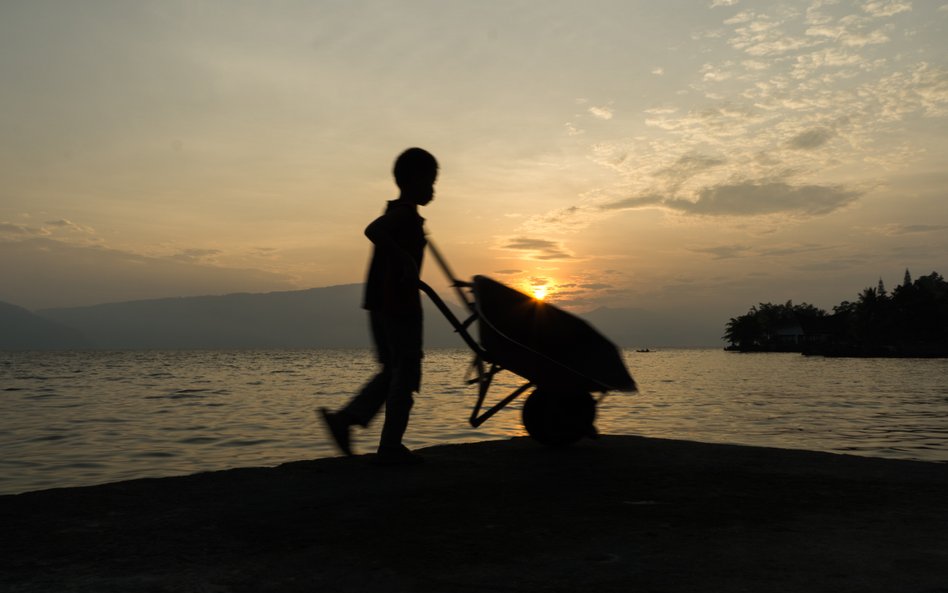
(539, 292)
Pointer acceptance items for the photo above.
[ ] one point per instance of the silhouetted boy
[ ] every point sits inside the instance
(393, 300)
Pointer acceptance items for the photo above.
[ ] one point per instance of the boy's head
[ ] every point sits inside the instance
(415, 172)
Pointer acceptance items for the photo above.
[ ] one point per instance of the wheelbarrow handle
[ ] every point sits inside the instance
(457, 284)
(459, 326)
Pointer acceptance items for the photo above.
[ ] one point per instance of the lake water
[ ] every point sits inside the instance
(82, 418)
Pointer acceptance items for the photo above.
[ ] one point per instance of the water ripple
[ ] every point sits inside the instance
(136, 414)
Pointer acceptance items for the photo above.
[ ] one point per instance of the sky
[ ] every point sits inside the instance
(688, 157)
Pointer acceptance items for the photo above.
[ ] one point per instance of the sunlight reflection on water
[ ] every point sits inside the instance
(76, 418)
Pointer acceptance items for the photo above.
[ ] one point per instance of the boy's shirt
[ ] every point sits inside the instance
(386, 289)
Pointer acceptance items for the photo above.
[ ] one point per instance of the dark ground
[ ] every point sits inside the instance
(618, 514)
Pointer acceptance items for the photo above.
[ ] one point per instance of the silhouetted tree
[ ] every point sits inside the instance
(744, 332)
(912, 320)
(771, 327)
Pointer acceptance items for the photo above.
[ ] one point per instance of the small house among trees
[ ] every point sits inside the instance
(912, 320)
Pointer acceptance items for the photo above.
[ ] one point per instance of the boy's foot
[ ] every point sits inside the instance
(398, 455)
(339, 429)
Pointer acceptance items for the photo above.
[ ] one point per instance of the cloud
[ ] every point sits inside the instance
(836, 265)
(724, 251)
(632, 203)
(853, 30)
(744, 16)
(601, 112)
(661, 110)
(778, 112)
(788, 250)
(754, 199)
(749, 198)
(717, 3)
(760, 35)
(755, 65)
(713, 122)
(830, 57)
(13, 230)
(568, 219)
(658, 71)
(508, 271)
(69, 225)
(811, 139)
(712, 73)
(196, 255)
(886, 8)
(911, 229)
(65, 229)
(688, 166)
(733, 251)
(540, 249)
(41, 272)
(51, 227)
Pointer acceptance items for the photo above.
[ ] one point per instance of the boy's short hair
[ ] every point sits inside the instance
(412, 163)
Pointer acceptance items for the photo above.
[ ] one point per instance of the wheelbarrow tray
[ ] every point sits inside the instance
(544, 344)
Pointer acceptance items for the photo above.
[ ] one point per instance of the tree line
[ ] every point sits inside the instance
(912, 320)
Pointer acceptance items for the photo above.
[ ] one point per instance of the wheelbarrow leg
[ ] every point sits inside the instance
(483, 379)
(478, 420)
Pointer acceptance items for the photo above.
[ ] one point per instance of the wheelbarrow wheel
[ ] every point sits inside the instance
(559, 417)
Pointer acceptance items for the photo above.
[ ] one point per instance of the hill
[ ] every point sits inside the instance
(327, 317)
(22, 330)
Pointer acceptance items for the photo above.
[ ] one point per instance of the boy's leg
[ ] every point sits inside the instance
(366, 404)
(405, 337)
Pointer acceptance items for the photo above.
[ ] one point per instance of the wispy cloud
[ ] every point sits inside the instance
(811, 139)
(197, 255)
(886, 8)
(738, 250)
(763, 36)
(911, 229)
(803, 102)
(539, 249)
(724, 251)
(60, 227)
(14, 230)
(750, 199)
(69, 225)
(689, 165)
(601, 112)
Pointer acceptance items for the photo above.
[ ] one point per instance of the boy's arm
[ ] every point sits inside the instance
(380, 233)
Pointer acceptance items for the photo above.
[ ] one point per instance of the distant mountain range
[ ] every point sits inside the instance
(22, 330)
(327, 317)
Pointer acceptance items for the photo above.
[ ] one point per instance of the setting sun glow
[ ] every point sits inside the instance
(539, 292)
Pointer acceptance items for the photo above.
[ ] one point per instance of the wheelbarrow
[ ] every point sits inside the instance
(560, 356)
